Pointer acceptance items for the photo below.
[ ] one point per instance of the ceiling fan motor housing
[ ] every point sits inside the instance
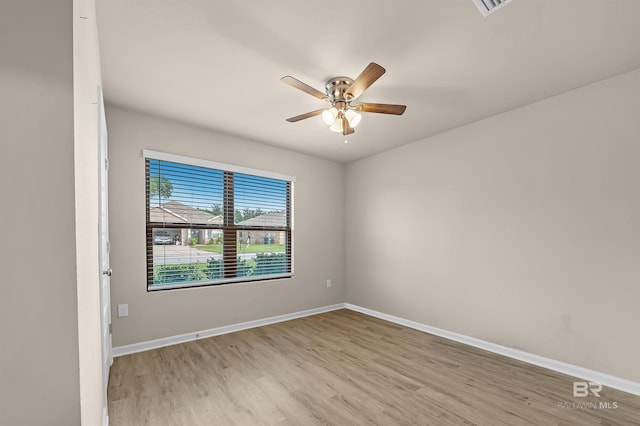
(336, 89)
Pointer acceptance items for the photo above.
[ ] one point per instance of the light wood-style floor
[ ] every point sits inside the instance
(346, 368)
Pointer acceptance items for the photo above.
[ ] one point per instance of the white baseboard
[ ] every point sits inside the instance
(552, 364)
(105, 417)
(559, 366)
(188, 337)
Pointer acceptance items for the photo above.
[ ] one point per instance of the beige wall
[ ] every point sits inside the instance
(38, 318)
(522, 229)
(318, 235)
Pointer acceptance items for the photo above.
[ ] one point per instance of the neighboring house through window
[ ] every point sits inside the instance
(212, 223)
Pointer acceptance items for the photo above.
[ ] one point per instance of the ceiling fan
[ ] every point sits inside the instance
(342, 116)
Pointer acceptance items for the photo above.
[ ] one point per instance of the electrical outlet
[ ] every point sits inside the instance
(328, 283)
(123, 310)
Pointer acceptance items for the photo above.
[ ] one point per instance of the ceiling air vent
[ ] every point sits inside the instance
(487, 7)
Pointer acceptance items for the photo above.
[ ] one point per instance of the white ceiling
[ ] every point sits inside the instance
(218, 63)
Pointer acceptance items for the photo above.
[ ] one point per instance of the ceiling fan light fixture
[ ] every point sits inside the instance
(341, 93)
(336, 126)
(329, 116)
(353, 117)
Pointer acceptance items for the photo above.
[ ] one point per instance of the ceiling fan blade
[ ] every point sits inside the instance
(304, 87)
(346, 128)
(381, 108)
(306, 115)
(366, 78)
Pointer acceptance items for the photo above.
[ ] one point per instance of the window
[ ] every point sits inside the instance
(210, 223)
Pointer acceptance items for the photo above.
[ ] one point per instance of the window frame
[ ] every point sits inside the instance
(228, 228)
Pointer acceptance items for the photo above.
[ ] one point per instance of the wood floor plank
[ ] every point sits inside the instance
(346, 368)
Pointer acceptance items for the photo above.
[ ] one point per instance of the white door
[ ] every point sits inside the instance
(105, 281)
